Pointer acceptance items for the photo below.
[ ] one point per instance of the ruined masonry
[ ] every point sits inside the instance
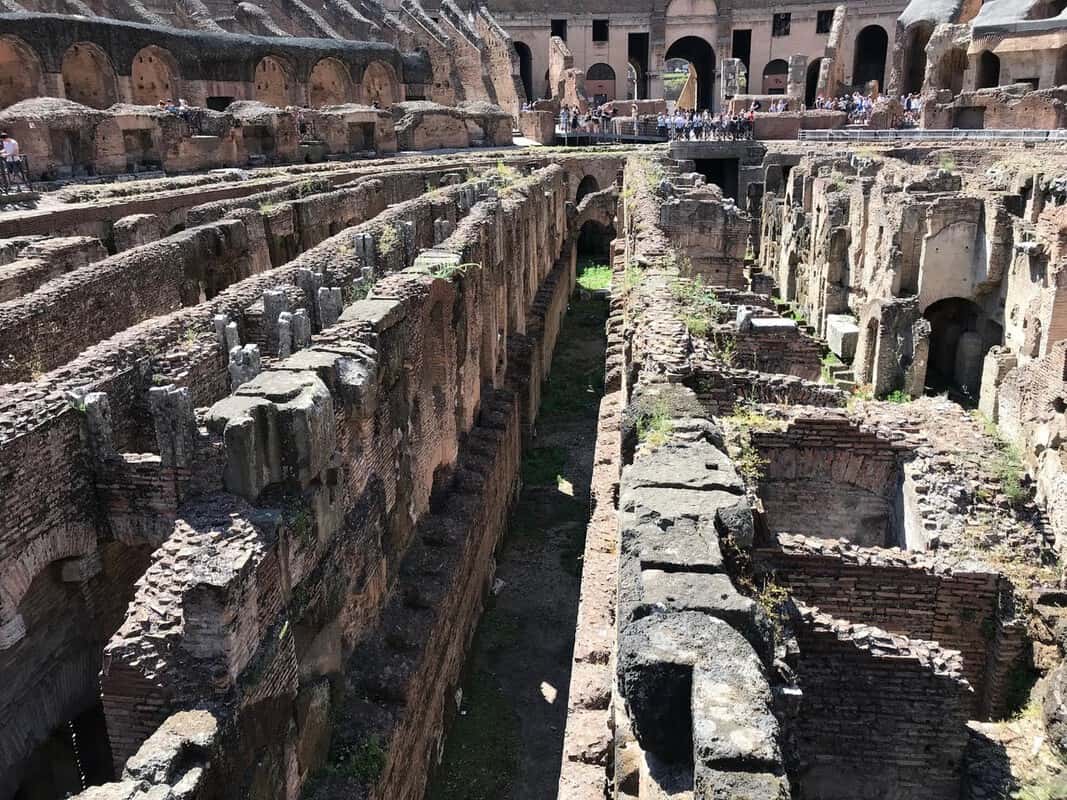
(352, 446)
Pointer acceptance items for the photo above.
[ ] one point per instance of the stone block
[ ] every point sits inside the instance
(674, 669)
(709, 593)
(696, 465)
(714, 784)
(683, 543)
(842, 334)
(662, 780)
(181, 743)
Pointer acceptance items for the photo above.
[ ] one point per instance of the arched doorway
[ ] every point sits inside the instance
(960, 335)
(594, 243)
(588, 185)
(868, 63)
(379, 85)
(274, 82)
(330, 84)
(950, 69)
(20, 71)
(811, 82)
(988, 73)
(775, 76)
(600, 83)
(153, 76)
(633, 80)
(914, 69)
(525, 68)
(702, 56)
(88, 77)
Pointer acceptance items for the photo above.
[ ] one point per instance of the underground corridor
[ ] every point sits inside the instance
(505, 739)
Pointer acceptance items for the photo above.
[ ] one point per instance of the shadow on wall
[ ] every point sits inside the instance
(812, 485)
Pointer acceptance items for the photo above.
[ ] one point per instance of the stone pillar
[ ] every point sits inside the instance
(999, 361)
(275, 303)
(310, 282)
(285, 334)
(798, 76)
(175, 424)
(244, 364)
(98, 421)
(968, 367)
(915, 373)
(226, 332)
(330, 304)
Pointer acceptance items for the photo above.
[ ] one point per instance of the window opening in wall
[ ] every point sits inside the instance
(780, 24)
(600, 30)
(823, 20)
(218, 103)
(637, 55)
(741, 47)
(559, 28)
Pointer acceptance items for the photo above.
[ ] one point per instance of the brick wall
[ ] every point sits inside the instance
(828, 477)
(909, 594)
(435, 357)
(882, 716)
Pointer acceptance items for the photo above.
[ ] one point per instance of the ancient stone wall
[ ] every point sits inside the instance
(710, 231)
(882, 715)
(502, 63)
(180, 270)
(420, 356)
(136, 496)
(971, 612)
(831, 479)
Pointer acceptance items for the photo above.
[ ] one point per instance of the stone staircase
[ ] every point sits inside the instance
(843, 377)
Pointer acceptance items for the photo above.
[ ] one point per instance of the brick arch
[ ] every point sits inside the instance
(329, 84)
(20, 71)
(19, 573)
(273, 82)
(598, 207)
(88, 76)
(379, 84)
(153, 76)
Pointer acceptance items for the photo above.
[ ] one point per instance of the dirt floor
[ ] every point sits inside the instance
(506, 741)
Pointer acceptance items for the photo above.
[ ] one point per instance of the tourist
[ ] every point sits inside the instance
(12, 156)
(661, 125)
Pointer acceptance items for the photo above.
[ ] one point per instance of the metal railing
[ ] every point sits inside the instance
(611, 130)
(15, 176)
(933, 135)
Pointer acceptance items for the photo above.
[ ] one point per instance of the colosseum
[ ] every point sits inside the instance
(521, 401)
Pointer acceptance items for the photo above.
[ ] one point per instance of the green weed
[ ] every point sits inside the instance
(654, 427)
(542, 465)
(388, 240)
(594, 277)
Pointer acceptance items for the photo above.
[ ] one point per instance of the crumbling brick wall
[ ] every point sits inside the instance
(881, 716)
(422, 360)
(827, 477)
(969, 611)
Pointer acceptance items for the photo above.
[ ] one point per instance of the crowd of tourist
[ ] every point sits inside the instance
(596, 120)
(180, 109)
(690, 125)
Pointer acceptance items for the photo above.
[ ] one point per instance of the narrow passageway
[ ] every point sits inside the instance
(505, 742)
